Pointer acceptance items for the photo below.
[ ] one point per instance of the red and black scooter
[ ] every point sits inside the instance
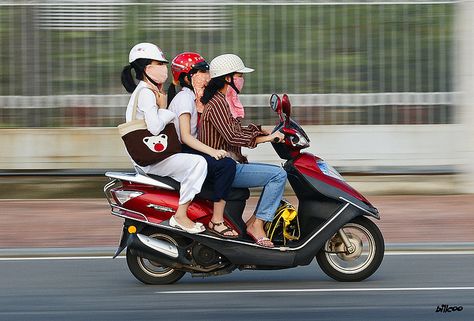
(332, 216)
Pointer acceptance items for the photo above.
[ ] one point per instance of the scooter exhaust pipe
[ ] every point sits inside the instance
(159, 251)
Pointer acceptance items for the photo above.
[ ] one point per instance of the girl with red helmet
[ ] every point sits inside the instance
(190, 71)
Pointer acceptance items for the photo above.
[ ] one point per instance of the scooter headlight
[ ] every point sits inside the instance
(123, 196)
(328, 170)
(299, 140)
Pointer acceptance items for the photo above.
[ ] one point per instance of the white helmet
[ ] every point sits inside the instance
(226, 64)
(146, 50)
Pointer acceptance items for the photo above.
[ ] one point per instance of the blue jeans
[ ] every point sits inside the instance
(271, 177)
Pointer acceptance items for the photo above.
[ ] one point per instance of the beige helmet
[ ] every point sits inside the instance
(226, 64)
(148, 51)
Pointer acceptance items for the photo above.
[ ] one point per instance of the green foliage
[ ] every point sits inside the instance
(297, 49)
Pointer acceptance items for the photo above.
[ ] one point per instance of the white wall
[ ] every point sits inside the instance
(355, 148)
(68, 148)
(371, 148)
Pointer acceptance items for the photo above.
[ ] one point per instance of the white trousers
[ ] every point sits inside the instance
(188, 169)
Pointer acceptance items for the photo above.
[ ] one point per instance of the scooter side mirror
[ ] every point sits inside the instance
(286, 107)
(275, 104)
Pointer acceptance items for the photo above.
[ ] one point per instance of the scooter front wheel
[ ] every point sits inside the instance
(150, 272)
(359, 261)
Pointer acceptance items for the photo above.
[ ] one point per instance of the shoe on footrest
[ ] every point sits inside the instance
(197, 228)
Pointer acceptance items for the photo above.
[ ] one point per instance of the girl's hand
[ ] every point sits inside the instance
(218, 153)
(161, 99)
(277, 135)
(271, 138)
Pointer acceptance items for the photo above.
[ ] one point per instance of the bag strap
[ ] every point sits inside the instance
(135, 103)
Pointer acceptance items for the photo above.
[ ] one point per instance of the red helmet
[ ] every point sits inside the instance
(185, 62)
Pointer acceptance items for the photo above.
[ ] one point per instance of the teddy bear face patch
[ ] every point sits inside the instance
(156, 144)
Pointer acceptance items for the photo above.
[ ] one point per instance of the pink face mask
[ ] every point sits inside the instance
(159, 73)
(199, 81)
(232, 98)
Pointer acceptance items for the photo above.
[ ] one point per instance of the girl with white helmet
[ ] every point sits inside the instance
(149, 64)
(220, 130)
(191, 71)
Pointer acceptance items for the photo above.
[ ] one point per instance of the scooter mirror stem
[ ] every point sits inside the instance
(286, 108)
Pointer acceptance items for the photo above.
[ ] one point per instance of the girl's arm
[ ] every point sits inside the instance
(155, 119)
(228, 127)
(191, 141)
(232, 131)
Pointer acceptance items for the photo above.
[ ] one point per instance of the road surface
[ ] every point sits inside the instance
(406, 287)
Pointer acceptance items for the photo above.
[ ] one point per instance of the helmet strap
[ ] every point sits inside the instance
(232, 84)
(151, 80)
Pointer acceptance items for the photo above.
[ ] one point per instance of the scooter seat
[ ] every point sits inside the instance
(236, 194)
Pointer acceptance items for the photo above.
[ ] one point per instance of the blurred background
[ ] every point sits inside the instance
(383, 88)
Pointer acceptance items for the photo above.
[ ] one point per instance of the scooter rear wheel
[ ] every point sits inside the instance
(364, 259)
(150, 272)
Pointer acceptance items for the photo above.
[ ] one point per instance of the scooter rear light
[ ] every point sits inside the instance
(122, 196)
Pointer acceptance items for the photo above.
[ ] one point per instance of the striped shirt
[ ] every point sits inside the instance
(219, 130)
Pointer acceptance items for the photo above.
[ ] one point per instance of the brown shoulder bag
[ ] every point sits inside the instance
(144, 147)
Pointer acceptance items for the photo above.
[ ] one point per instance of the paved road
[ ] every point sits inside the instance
(63, 223)
(406, 287)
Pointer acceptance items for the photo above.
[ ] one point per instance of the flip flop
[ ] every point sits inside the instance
(262, 241)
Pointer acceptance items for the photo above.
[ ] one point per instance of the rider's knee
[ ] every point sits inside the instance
(281, 175)
(228, 164)
(199, 163)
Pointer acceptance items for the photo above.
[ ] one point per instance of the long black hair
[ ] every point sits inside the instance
(213, 86)
(216, 85)
(182, 83)
(139, 67)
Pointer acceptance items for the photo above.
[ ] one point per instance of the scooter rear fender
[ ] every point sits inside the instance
(125, 239)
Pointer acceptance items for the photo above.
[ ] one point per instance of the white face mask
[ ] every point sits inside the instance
(159, 73)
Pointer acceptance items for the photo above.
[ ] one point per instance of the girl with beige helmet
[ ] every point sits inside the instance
(220, 130)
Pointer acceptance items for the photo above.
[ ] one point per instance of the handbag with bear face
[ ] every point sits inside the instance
(144, 147)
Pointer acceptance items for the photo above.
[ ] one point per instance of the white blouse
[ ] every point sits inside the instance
(184, 103)
(155, 118)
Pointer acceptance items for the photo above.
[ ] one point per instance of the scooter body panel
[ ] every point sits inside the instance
(306, 164)
(159, 205)
(311, 184)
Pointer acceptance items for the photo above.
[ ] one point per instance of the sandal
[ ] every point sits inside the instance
(262, 241)
(222, 233)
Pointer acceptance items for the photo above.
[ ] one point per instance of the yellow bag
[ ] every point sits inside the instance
(285, 225)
